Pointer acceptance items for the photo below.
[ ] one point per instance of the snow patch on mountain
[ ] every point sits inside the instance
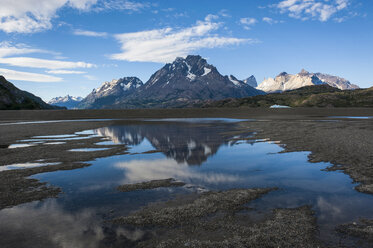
(234, 80)
(206, 71)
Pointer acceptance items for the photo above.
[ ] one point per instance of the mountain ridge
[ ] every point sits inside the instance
(67, 101)
(181, 83)
(285, 81)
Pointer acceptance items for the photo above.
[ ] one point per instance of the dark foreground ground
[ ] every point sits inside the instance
(347, 145)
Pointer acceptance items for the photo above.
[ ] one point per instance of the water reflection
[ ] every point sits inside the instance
(146, 170)
(57, 227)
(230, 160)
(185, 143)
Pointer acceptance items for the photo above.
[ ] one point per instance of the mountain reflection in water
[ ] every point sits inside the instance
(185, 143)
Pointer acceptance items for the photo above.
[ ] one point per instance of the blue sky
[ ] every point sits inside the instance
(59, 47)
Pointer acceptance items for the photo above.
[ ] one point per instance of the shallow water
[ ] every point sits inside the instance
(206, 155)
(24, 165)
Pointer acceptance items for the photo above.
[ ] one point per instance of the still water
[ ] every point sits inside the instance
(205, 154)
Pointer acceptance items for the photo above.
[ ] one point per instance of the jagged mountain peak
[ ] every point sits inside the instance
(251, 81)
(66, 98)
(124, 83)
(284, 81)
(191, 67)
(67, 101)
(109, 92)
(303, 72)
(282, 74)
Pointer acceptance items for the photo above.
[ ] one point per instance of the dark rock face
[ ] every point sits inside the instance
(179, 84)
(13, 98)
(251, 81)
(109, 93)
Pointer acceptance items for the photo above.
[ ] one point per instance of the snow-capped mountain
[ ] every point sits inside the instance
(185, 81)
(251, 81)
(109, 93)
(68, 101)
(285, 81)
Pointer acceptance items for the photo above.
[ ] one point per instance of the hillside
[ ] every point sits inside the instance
(309, 96)
(13, 98)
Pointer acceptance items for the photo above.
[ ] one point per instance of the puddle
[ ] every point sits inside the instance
(24, 166)
(54, 136)
(88, 149)
(13, 146)
(205, 157)
(352, 117)
(55, 143)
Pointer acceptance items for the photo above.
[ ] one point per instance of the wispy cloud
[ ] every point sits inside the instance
(43, 63)
(8, 49)
(321, 10)
(247, 22)
(29, 16)
(164, 45)
(28, 76)
(90, 77)
(65, 72)
(269, 20)
(90, 33)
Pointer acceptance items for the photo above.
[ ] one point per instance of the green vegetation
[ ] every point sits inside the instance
(309, 96)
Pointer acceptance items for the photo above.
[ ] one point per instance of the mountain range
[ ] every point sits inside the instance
(186, 82)
(182, 83)
(285, 82)
(68, 101)
(13, 98)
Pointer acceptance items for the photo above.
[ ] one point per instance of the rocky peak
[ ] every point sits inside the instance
(303, 72)
(282, 74)
(65, 99)
(191, 67)
(124, 84)
(251, 81)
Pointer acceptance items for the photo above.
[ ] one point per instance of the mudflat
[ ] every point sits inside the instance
(339, 136)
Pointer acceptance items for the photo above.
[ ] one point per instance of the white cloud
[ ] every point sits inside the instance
(247, 22)
(164, 45)
(43, 63)
(90, 33)
(29, 16)
(269, 20)
(28, 76)
(65, 72)
(7, 49)
(321, 10)
(90, 77)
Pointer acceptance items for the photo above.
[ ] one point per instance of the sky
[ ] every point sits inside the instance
(58, 47)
